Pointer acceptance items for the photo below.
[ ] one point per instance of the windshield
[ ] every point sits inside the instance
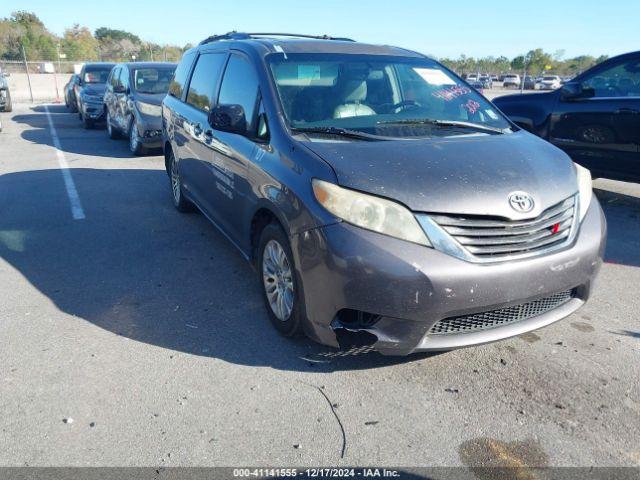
(550, 78)
(97, 74)
(379, 95)
(152, 80)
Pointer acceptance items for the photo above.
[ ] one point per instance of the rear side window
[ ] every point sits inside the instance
(180, 77)
(204, 80)
(240, 86)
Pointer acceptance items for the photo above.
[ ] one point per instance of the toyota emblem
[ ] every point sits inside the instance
(521, 202)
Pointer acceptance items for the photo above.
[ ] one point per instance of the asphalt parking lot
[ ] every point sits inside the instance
(131, 334)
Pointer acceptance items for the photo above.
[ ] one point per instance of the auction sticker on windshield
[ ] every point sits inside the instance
(434, 76)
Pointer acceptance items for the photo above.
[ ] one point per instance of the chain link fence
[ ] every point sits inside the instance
(38, 81)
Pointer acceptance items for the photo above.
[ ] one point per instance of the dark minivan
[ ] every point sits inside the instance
(595, 117)
(384, 202)
(133, 99)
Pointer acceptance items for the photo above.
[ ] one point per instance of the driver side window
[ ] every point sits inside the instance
(620, 80)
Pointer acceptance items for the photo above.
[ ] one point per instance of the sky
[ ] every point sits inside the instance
(437, 28)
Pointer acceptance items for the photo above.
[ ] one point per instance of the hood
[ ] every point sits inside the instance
(94, 88)
(151, 98)
(471, 174)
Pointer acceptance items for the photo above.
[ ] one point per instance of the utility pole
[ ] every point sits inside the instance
(26, 69)
(55, 74)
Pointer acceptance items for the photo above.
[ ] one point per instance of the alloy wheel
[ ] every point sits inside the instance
(278, 280)
(175, 182)
(133, 138)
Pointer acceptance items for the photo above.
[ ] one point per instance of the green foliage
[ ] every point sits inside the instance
(535, 62)
(104, 33)
(78, 44)
(24, 28)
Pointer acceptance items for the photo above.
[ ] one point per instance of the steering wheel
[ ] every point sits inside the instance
(398, 107)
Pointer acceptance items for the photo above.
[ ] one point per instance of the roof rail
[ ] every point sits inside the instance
(244, 36)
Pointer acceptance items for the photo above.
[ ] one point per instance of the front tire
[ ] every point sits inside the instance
(111, 131)
(135, 145)
(175, 182)
(87, 123)
(281, 286)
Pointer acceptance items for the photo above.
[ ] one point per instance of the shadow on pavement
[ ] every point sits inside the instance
(74, 139)
(623, 222)
(138, 268)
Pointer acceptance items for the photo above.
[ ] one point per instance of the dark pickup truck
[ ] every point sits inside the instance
(595, 118)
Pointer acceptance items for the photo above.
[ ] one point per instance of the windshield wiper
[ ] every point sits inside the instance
(342, 132)
(444, 123)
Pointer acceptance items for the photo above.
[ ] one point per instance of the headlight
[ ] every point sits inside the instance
(149, 109)
(584, 189)
(367, 211)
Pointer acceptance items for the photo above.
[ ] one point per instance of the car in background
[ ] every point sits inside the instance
(529, 83)
(486, 81)
(511, 80)
(89, 92)
(471, 77)
(595, 117)
(5, 94)
(133, 100)
(383, 202)
(550, 82)
(476, 85)
(70, 93)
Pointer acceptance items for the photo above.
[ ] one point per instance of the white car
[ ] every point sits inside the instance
(511, 81)
(472, 77)
(550, 82)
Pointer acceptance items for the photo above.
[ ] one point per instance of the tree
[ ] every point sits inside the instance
(79, 44)
(25, 29)
(104, 33)
(518, 63)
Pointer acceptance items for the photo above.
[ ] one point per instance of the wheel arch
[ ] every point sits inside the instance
(264, 214)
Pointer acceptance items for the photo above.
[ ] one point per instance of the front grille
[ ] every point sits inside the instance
(490, 238)
(502, 316)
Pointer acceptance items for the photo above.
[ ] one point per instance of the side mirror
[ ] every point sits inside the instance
(573, 90)
(229, 118)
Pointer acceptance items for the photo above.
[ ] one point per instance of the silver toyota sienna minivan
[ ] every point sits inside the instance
(383, 201)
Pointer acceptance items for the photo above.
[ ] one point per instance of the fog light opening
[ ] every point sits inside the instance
(350, 339)
(355, 319)
(351, 328)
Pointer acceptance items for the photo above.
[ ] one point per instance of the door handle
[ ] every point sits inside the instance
(627, 111)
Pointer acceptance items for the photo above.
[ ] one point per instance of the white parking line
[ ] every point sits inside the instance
(72, 192)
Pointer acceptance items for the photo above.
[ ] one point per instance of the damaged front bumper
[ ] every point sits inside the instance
(400, 290)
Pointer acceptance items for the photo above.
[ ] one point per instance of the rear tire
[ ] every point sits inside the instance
(8, 107)
(175, 182)
(281, 286)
